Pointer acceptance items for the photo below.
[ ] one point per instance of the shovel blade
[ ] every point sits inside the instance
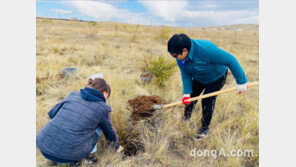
(157, 107)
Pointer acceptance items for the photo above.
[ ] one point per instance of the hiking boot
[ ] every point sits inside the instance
(90, 160)
(203, 133)
(50, 163)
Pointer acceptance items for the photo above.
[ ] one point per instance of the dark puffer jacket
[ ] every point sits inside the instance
(71, 134)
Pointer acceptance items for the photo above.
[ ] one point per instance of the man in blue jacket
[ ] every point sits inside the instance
(203, 67)
(76, 122)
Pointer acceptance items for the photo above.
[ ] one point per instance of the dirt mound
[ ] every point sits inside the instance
(142, 106)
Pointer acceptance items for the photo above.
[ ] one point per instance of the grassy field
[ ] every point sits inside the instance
(119, 52)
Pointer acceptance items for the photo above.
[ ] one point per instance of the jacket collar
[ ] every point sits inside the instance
(190, 55)
(188, 59)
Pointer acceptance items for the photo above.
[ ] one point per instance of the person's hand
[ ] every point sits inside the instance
(241, 88)
(120, 149)
(186, 97)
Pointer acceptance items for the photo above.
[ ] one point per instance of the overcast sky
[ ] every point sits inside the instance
(181, 13)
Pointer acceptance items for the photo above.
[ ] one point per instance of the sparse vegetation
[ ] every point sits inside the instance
(134, 38)
(164, 34)
(92, 23)
(167, 140)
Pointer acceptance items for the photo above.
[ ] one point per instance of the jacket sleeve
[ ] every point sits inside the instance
(186, 81)
(218, 56)
(109, 130)
(53, 112)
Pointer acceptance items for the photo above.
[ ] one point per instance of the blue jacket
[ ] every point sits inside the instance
(206, 63)
(71, 134)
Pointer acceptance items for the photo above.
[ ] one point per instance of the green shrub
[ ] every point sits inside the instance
(144, 63)
(133, 38)
(125, 27)
(56, 50)
(115, 27)
(92, 23)
(46, 21)
(161, 69)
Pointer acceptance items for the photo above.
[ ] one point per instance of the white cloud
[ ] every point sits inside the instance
(61, 11)
(178, 12)
(96, 9)
(106, 12)
(223, 17)
(168, 10)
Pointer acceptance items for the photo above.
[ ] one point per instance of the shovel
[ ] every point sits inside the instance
(158, 107)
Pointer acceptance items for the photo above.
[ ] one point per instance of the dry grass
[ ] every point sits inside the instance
(118, 51)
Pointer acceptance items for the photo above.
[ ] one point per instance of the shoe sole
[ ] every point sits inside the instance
(200, 138)
(90, 163)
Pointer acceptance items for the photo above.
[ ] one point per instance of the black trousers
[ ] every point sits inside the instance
(208, 104)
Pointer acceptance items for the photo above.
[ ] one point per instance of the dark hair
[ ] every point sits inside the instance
(178, 42)
(100, 85)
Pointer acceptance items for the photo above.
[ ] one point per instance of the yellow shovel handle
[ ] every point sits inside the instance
(252, 84)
